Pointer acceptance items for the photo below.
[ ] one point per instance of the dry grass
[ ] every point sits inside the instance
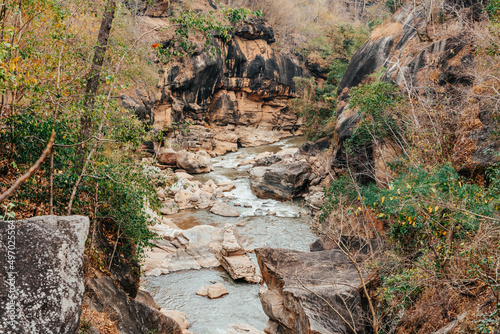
(386, 30)
(100, 320)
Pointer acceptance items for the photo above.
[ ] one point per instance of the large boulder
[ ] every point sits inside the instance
(180, 250)
(130, 316)
(41, 275)
(281, 180)
(233, 257)
(167, 156)
(195, 163)
(310, 293)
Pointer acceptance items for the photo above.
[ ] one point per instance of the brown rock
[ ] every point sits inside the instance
(146, 298)
(213, 291)
(167, 156)
(195, 163)
(131, 316)
(232, 256)
(225, 210)
(298, 283)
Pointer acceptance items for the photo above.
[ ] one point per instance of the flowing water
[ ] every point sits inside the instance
(287, 229)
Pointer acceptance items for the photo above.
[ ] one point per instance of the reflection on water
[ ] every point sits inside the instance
(285, 229)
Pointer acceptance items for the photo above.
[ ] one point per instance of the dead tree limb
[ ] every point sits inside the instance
(31, 171)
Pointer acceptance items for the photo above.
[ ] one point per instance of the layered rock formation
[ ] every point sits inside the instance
(41, 276)
(180, 250)
(233, 257)
(431, 69)
(310, 292)
(247, 84)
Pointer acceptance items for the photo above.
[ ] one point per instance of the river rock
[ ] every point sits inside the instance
(232, 256)
(225, 210)
(167, 156)
(213, 291)
(226, 186)
(45, 293)
(180, 250)
(130, 316)
(209, 186)
(169, 207)
(242, 329)
(184, 175)
(195, 163)
(281, 180)
(145, 297)
(179, 317)
(298, 283)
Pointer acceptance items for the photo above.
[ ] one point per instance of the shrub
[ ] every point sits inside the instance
(377, 104)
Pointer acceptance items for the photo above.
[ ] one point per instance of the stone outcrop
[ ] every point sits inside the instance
(194, 163)
(233, 257)
(41, 277)
(421, 66)
(145, 297)
(180, 250)
(193, 194)
(247, 84)
(281, 180)
(130, 316)
(179, 317)
(299, 285)
(167, 156)
(213, 291)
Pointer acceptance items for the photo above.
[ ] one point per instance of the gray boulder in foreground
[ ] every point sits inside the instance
(41, 276)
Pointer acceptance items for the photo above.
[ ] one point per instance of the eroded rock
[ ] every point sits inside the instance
(194, 163)
(298, 283)
(180, 250)
(281, 180)
(225, 210)
(233, 257)
(213, 291)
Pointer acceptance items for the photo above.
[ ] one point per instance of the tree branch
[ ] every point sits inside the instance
(31, 171)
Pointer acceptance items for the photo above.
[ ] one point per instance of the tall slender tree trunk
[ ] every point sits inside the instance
(94, 74)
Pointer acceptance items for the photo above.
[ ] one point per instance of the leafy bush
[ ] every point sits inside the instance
(493, 10)
(429, 207)
(342, 191)
(377, 104)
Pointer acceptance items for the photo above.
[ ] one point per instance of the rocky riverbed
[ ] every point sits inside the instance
(260, 223)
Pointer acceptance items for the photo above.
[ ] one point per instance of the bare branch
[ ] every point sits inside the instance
(31, 171)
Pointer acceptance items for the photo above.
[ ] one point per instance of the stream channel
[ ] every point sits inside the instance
(289, 228)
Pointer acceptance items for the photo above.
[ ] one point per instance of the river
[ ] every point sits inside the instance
(288, 228)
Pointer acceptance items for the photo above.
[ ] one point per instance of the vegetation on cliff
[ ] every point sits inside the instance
(432, 201)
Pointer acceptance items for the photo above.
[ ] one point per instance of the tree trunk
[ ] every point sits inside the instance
(95, 70)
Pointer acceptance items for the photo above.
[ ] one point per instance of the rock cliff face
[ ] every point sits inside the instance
(41, 277)
(427, 69)
(310, 293)
(247, 84)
